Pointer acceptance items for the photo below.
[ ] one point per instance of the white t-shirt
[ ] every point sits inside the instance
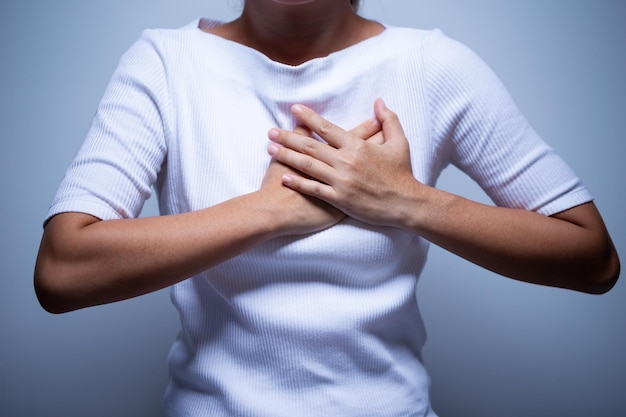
(326, 323)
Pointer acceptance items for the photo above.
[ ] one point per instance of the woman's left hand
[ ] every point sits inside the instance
(371, 180)
(367, 180)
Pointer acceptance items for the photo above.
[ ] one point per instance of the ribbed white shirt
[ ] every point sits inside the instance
(322, 324)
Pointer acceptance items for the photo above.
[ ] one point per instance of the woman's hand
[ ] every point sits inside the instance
(300, 213)
(372, 181)
(364, 179)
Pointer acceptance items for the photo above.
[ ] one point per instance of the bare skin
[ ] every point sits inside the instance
(84, 261)
(373, 182)
(296, 33)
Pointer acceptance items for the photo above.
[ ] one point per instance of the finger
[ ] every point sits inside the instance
(367, 129)
(304, 131)
(389, 121)
(332, 134)
(300, 130)
(309, 187)
(303, 144)
(308, 165)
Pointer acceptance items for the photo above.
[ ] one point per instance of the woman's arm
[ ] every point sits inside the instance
(571, 249)
(374, 183)
(84, 261)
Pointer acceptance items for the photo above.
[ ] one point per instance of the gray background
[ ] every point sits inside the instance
(496, 347)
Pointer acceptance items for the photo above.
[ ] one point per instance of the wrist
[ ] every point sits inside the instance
(262, 213)
(420, 207)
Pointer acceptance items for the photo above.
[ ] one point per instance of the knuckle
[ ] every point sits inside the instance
(348, 183)
(311, 146)
(325, 127)
(316, 189)
(307, 165)
(349, 163)
(393, 115)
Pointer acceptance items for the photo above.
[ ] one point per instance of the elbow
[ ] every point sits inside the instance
(53, 294)
(605, 275)
(59, 276)
(49, 299)
(607, 281)
(49, 303)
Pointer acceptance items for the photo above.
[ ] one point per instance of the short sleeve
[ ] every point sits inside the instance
(118, 163)
(488, 138)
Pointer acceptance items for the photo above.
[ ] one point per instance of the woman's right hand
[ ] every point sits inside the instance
(84, 261)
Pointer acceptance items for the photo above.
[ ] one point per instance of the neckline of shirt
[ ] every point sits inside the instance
(206, 23)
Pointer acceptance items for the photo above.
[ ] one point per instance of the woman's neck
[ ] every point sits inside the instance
(296, 33)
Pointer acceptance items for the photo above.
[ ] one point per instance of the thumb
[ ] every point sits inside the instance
(392, 129)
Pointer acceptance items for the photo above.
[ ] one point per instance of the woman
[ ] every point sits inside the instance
(295, 277)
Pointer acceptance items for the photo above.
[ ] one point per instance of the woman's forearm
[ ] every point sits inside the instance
(374, 182)
(84, 261)
(571, 249)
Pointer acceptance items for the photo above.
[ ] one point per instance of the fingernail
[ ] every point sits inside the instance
(273, 134)
(272, 149)
(296, 108)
